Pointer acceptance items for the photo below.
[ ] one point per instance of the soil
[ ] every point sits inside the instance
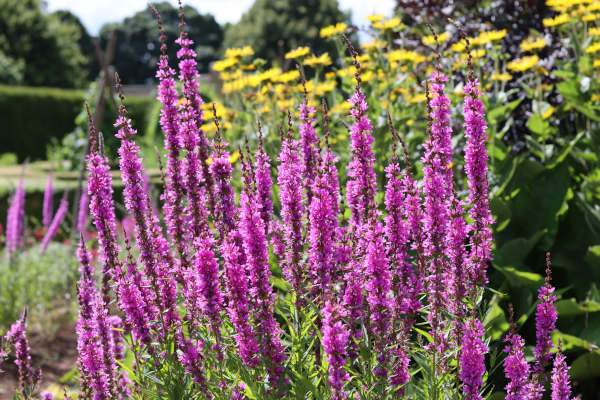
(55, 356)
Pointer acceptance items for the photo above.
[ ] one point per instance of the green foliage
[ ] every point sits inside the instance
(273, 27)
(40, 49)
(32, 116)
(136, 51)
(45, 284)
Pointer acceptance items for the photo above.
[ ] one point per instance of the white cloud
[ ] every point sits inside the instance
(95, 13)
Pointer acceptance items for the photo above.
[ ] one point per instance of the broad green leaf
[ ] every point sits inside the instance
(521, 277)
(586, 366)
(570, 307)
(516, 250)
(495, 322)
(570, 342)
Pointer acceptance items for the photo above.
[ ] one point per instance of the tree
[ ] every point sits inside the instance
(273, 27)
(137, 50)
(40, 49)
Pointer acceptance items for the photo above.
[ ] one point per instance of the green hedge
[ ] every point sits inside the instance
(31, 116)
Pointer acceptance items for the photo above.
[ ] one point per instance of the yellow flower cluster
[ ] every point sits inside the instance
(558, 20)
(375, 17)
(238, 52)
(530, 44)
(388, 25)
(430, 39)
(487, 37)
(332, 30)
(594, 31)
(593, 48)
(405, 55)
(374, 45)
(222, 65)
(503, 77)
(298, 52)
(313, 60)
(523, 64)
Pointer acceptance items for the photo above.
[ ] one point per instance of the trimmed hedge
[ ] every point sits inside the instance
(31, 116)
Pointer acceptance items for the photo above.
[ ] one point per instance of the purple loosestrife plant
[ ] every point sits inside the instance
(14, 220)
(48, 206)
(289, 178)
(516, 369)
(545, 323)
(102, 210)
(472, 358)
(262, 177)
(91, 361)
(190, 131)
(57, 221)
(16, 337)
(82, 217)
(310, 143)
(476, 170)
(335, 340)
(561, 388)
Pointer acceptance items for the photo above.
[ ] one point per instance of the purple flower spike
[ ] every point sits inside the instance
(14, 220)
(561, 388)
(47, 209)
(58, 219)
(472, 357)
(82, 217)
(335, 339)
(545, 322)
(17, 338)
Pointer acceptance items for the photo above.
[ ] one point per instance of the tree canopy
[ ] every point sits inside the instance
(38, 48)
(136, 51)
(273, 27)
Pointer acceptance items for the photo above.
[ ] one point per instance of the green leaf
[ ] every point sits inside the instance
(586, 366)
(495, 322)
(570, 342)
(516, 250)
(521, 277)
(570, 308)
(570, 91)
(499, 114)
(539, 126)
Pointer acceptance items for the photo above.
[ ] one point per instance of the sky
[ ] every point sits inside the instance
(95, 13)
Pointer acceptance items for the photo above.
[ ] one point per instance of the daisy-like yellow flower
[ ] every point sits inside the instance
(375, 17)
(313, 61)
(233, 157)
(523, 64)
(341, 108)
(374, 45)
(239, 52)
(405, 55)
(331, 30)
(346, 72)
(593, 48)
(530, 44)
(590, 17)
(289, 76)
(285, 104)
(459, 46)
(388, 25)
(325, 87)
(558, 20)
(503, 77)
(430, 39)
(596, 64)
(248, 67)
(549, 111)
(330, 75)
(594, 32)
(595, 97)
(298, 52)
(488, 37)
(417, 98)
(222, 65)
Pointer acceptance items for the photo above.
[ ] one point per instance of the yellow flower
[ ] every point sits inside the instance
(288, 76)
(222, 65)
(375, 17)
(593, 48)
(333, 29)
(330, 75)
(487, 37)
(323, 59)
(558, 20)
(410, 122)
(459, 46)
(239, 52)
(417, 98)
(297, 52)
(523, 64)
(388, 25)
(345, 72)
(430, 39)
(374, 44)
(249, 67)
(595, 97)
(285, 104)
(530, 44)
(596, 63)
(341, 108)
(503, 77)
(405, 55)
(549, 111)
(590, 17)
(325, 87)
(593, 7)
(234, 157)
(594, 31)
